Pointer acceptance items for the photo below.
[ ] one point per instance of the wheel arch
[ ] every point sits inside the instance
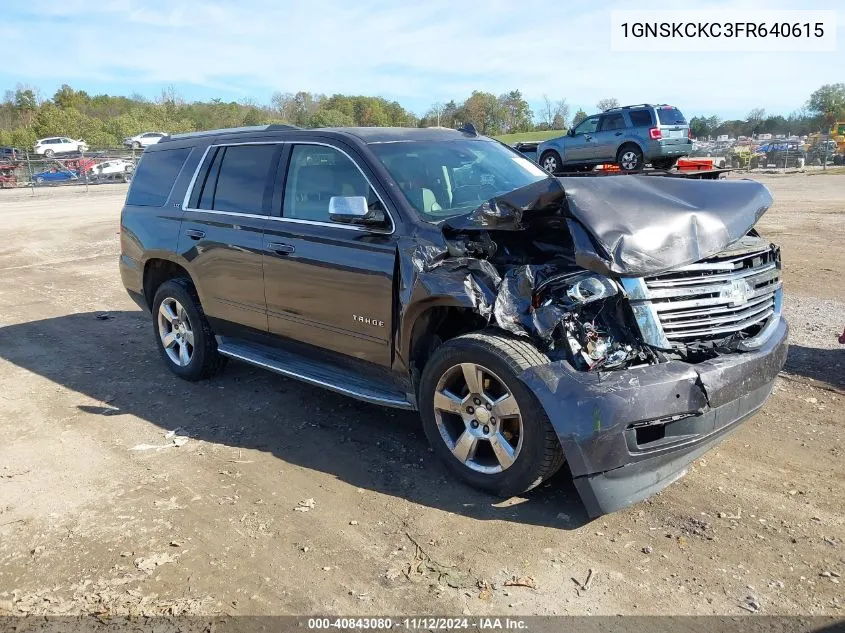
(630, 142)
(159, 269)
(430, 326)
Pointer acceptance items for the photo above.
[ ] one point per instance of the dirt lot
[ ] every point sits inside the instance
(126, 490)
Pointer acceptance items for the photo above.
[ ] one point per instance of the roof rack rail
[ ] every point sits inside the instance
(272, 127)
(636, 105)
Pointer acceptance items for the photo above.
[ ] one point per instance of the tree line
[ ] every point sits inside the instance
(825, 107)
(105, 120)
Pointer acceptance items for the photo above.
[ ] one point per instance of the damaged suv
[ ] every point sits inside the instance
(623, 324)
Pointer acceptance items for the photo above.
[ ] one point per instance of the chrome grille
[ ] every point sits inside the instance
(736, 291)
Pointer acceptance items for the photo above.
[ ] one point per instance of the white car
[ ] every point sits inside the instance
(115, 169)
(59, 145)
(144, 139)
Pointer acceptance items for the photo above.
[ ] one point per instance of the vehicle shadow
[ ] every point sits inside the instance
(113, 359)
(824, 365)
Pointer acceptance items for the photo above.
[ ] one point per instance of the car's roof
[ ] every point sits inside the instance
(365, 134)
(394, 134)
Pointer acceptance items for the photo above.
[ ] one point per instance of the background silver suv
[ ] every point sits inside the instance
(630, 137)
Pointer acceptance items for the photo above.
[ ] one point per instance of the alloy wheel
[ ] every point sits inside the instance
(630, 160)
(175, 331)
(478, 418)
(550, 164)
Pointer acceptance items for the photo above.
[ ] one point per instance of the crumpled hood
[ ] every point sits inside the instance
(646, 225)
(630, 226)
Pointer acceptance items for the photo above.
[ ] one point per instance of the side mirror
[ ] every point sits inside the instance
(570, 131)
(354, 210)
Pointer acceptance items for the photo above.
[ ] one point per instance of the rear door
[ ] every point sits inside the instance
(581, 146)
(612, 130)
(222, 232)
(327, 284)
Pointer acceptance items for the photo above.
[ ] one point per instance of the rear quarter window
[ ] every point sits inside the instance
(155, 176)
(670, 116)
(640, 118)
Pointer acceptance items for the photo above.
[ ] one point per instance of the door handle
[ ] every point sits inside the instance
(587, 137)
(194, 234)
(618, 134)
(282, 249)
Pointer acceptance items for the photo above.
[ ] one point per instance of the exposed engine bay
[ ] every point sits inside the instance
(610, 273)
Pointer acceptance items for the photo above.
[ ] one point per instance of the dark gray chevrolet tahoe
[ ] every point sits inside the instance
(623, 324)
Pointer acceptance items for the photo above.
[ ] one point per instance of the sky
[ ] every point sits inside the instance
(417, 53)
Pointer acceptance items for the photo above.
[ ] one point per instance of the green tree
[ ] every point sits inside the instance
(67, 97)
(700, 127)
(579, 116)
(330, 118)
(828, 103)
(485, 112)
(516, 112)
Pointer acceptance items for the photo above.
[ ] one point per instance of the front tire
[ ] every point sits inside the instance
(551, 162)
(136, 145)
(481, 420)
(185, 340)
(629, 158)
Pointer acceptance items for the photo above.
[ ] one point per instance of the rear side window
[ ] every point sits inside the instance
(155, 176)
(612, 122)
(640, 118)
(670, 116)
(241, 178)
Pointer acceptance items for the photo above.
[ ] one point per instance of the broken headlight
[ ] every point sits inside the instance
(591, 327)
(575, 290)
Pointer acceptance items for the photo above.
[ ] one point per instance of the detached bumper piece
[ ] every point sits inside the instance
(628, 434)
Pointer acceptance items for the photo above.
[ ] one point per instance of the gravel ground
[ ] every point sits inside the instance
(124, 490)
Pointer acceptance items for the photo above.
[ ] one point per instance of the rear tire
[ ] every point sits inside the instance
(629, 158)
(551, 162)
(533, 451)
(48, 153)
(184, 338)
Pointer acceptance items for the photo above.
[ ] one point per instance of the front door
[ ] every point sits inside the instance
(222, 232)
(580, 147)
(609, 136)
(329, 284)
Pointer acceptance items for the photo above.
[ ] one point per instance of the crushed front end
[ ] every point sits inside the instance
(657, 304)
(711, 343)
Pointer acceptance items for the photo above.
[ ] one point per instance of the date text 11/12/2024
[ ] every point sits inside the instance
(417, 623)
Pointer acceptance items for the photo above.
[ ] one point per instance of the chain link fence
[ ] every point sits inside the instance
(27, 169)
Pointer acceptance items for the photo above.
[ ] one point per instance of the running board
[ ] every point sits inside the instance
(314, 372)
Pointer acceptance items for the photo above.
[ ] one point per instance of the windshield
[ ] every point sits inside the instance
(442, 179)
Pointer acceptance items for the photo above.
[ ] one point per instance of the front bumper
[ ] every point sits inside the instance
(627, 434)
